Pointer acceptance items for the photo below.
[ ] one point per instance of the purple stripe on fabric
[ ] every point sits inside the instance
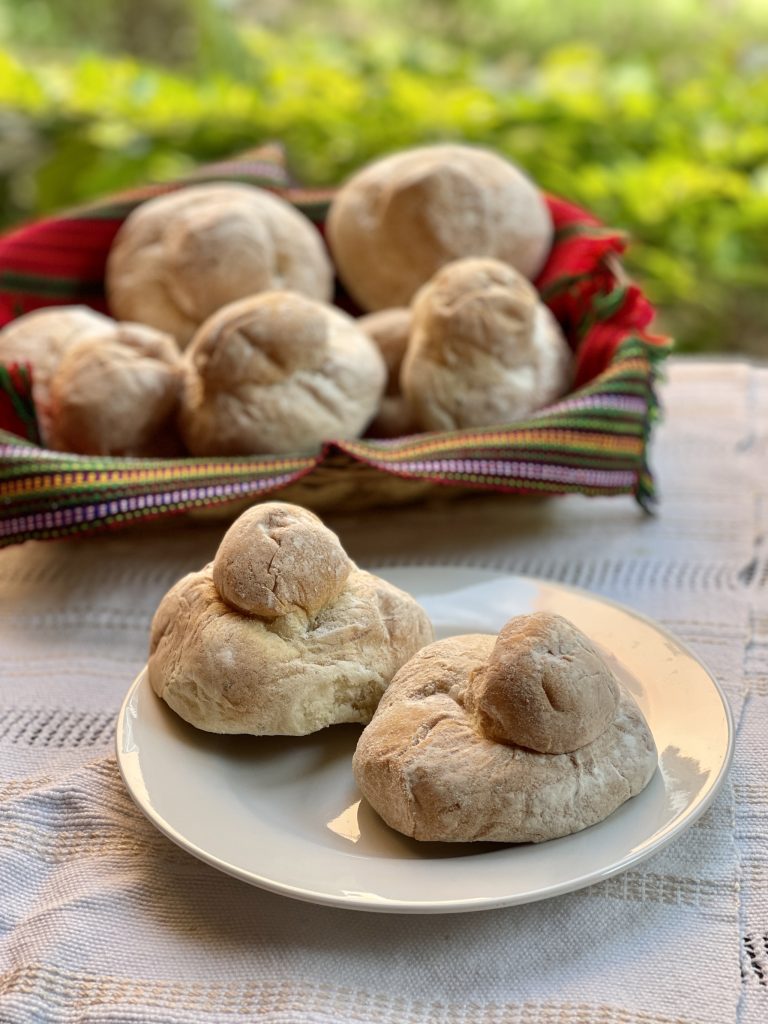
(621, 403)
(624, 403)
(106, 509)
(523, 471)
(28, 451)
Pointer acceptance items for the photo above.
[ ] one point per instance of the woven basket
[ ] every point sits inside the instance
(594, 441)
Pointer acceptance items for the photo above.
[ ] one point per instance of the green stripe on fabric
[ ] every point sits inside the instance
(22, 404)
(53, 287)
(562, 284)
(607, 305)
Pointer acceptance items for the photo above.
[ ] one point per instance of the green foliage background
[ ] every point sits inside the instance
(655, 116)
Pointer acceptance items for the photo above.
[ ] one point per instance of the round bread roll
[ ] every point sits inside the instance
(282, 634)
(399, 219)
(484, 350)
(116, 392)
(180, 257)
(442, 758)
(41, 338)
(394, 419)
(390, 329)
(278, 372)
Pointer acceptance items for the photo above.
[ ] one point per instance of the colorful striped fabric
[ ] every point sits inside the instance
(593, 442)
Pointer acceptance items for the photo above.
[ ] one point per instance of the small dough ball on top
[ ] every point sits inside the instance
(399, 219)
(180, 257)
(278, 372)
(278, 558)
(484, 350)
(391, 330)
(40, 339)
(117, 393)
(545, 686)
(281, 634)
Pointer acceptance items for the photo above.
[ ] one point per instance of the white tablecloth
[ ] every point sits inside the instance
(104, 920)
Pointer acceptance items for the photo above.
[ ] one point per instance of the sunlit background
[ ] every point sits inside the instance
(653, 114)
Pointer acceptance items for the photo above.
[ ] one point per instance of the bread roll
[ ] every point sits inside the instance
(484, 350)
(394, 223)
(520, 738)
(41, 338)
(394, 419)
(390, 329)
(278, 372)
(182, 256)
(282, 634)
(116, 392)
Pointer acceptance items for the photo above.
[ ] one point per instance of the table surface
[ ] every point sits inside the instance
(104, 920)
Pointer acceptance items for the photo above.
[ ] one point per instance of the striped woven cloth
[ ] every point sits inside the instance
(594, 441)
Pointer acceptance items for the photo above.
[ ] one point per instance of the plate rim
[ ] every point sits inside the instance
(467, 904)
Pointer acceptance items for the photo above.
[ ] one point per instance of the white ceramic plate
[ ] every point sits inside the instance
(284, 813)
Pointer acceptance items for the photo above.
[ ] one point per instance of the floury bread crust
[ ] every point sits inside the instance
(100, 387)
(544, 687)
(390, 330)
(484, 350)
(41, 339)
(278, 372)
(427, 765)
(281, 634)
(180, 257)
(116, 392)
(395, 222)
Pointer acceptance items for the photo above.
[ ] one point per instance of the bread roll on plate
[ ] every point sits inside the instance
(518, 738)
(281, 634)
